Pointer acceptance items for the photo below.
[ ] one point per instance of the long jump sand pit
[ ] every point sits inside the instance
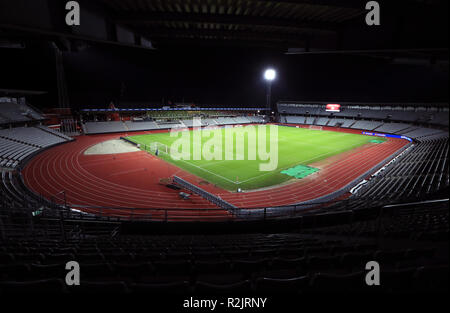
(113, 146)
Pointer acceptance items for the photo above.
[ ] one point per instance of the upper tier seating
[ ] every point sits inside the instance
(397, 113)
(408, 130)
(408, 116)
(11, 111)
(441, 119)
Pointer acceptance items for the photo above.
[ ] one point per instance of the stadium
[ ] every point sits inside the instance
(115, 155)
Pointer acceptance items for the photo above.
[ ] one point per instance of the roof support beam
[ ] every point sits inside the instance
(221, 34)
(157, 17)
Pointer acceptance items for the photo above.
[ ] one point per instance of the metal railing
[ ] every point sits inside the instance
(205, 194)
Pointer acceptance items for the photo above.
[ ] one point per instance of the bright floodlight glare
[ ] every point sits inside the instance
(270, 74)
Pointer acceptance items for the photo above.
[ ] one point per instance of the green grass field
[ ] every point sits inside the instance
(296, 146)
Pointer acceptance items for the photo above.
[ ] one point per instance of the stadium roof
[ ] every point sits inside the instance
(302, 25)
(248, 22)
(266, 22)
(20, 93)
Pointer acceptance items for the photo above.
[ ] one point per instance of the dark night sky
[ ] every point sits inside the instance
(224, 76)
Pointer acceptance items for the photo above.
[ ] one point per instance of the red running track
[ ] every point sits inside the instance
(132, 180)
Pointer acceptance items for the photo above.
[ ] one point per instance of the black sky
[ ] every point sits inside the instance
(222, 76)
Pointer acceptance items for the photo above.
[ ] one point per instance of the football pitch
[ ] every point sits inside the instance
(234, 167)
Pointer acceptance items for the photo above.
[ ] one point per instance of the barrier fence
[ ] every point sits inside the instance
(205, 194)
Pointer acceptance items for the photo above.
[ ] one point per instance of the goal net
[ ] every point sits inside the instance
(157, 148)
(315, 127)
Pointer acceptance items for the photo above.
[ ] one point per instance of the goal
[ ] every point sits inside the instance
(157, 148)
(315, 127)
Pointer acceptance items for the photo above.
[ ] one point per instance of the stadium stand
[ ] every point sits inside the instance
(210, 121)
(368, 125)
(167, 125)
(429, 115)
(295, 119)
(256, 119)
(18, 143)
(322, 121)
(313, 259)
(416, 221)
(141, 125)
(54, 132)
(317, 256)
(166, 120)
(104, 127)
(439, 119)
(333, 189)
(392, 128)
(225, 121)
(194, 123)
(421, 132)
(10, 113)
(347, 123)
(12, 152)
(242, 120)
(323, 249)
(334, 121)
(421, 171)
(17, 110)
(32, 135)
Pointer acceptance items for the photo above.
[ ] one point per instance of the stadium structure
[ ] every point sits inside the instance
(353, 181)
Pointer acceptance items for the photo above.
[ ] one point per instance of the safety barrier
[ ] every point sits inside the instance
(205, 194)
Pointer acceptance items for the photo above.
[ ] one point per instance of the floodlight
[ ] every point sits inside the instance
(270, 74)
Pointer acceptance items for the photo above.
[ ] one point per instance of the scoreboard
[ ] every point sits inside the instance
(333, 107)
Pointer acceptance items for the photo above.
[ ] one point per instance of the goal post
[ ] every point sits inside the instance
(157, 148)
